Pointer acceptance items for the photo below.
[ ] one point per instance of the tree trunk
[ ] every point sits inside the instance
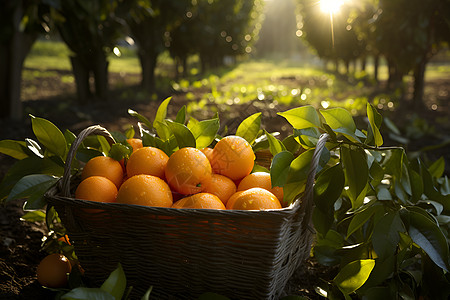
(363, 63)
(13, 55)
(148, 65)
(376, 64)
(419, 84)
(5, 104)
(100, 72)
(81, 75)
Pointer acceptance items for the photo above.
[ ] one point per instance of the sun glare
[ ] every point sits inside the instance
(330, 6)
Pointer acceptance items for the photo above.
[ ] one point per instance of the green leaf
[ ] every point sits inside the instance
(28, 166)
(384, 268)
(300, 167)
(15, 149)
(430, 238)
(82, 293)
(204, 132)
(383, 194)
(386, 236)
(416, 185)
(275, 145)
(323, 220)
(437, 168)
(162, 129)
(116, 283)
(307, 137)
(356, 173)
(302, 117)
(26, 185)
(141, 118)
(69, 136)
(35, 148)
(249, 128)
(339, 118)
(354, 275)
(158, 122)
(119, 151)
(291, 144)
(328, 187)
(49, 136)
(341, 121)
(34, 216)
(361, 217)
(105, 147)
(182, 134)
(32, 187)
(147, 293)
(181, 115)
(375, 120)
(129, 134)
(279, 167)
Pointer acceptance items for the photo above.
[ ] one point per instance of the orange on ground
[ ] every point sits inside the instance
(145, 190)
(253, 199)
(135, 143)
(96, 188)
(104, 166)
(233, 157)
(261, 180)
(52, 271)
(187, 170)
(208, 153)
(148, 161)
(221, 186)
(200, 200)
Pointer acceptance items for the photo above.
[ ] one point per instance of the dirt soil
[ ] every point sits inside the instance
(20, 241)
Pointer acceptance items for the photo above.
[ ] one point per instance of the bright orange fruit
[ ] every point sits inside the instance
(187, 170)
(104, 166)
(200, 200)
(135, 143)
(253, 199)
(233, 157)
(221, 186)
(146, 190)
(147, 160)
(96, 188)
(261, 180)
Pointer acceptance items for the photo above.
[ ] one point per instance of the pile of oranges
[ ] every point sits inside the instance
(210, 178)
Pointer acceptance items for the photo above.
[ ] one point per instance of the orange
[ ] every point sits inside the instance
(52, 271)
(147, 160)
(187, 170)
(145, 190)
(261, 180)
(135, 143)
(96, 188)
(233, 157)
(208, 152)
(253, 199)
(104, 166)
(221, 186)
(200, 200)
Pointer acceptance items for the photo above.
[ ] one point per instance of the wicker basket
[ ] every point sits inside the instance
(183, 253)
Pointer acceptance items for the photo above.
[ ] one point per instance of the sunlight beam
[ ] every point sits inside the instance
(330, 6)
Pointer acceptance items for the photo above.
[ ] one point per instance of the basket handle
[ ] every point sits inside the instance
(91, 130)
(309, 189)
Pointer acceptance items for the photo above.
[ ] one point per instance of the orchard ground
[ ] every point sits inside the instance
(249, 88)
